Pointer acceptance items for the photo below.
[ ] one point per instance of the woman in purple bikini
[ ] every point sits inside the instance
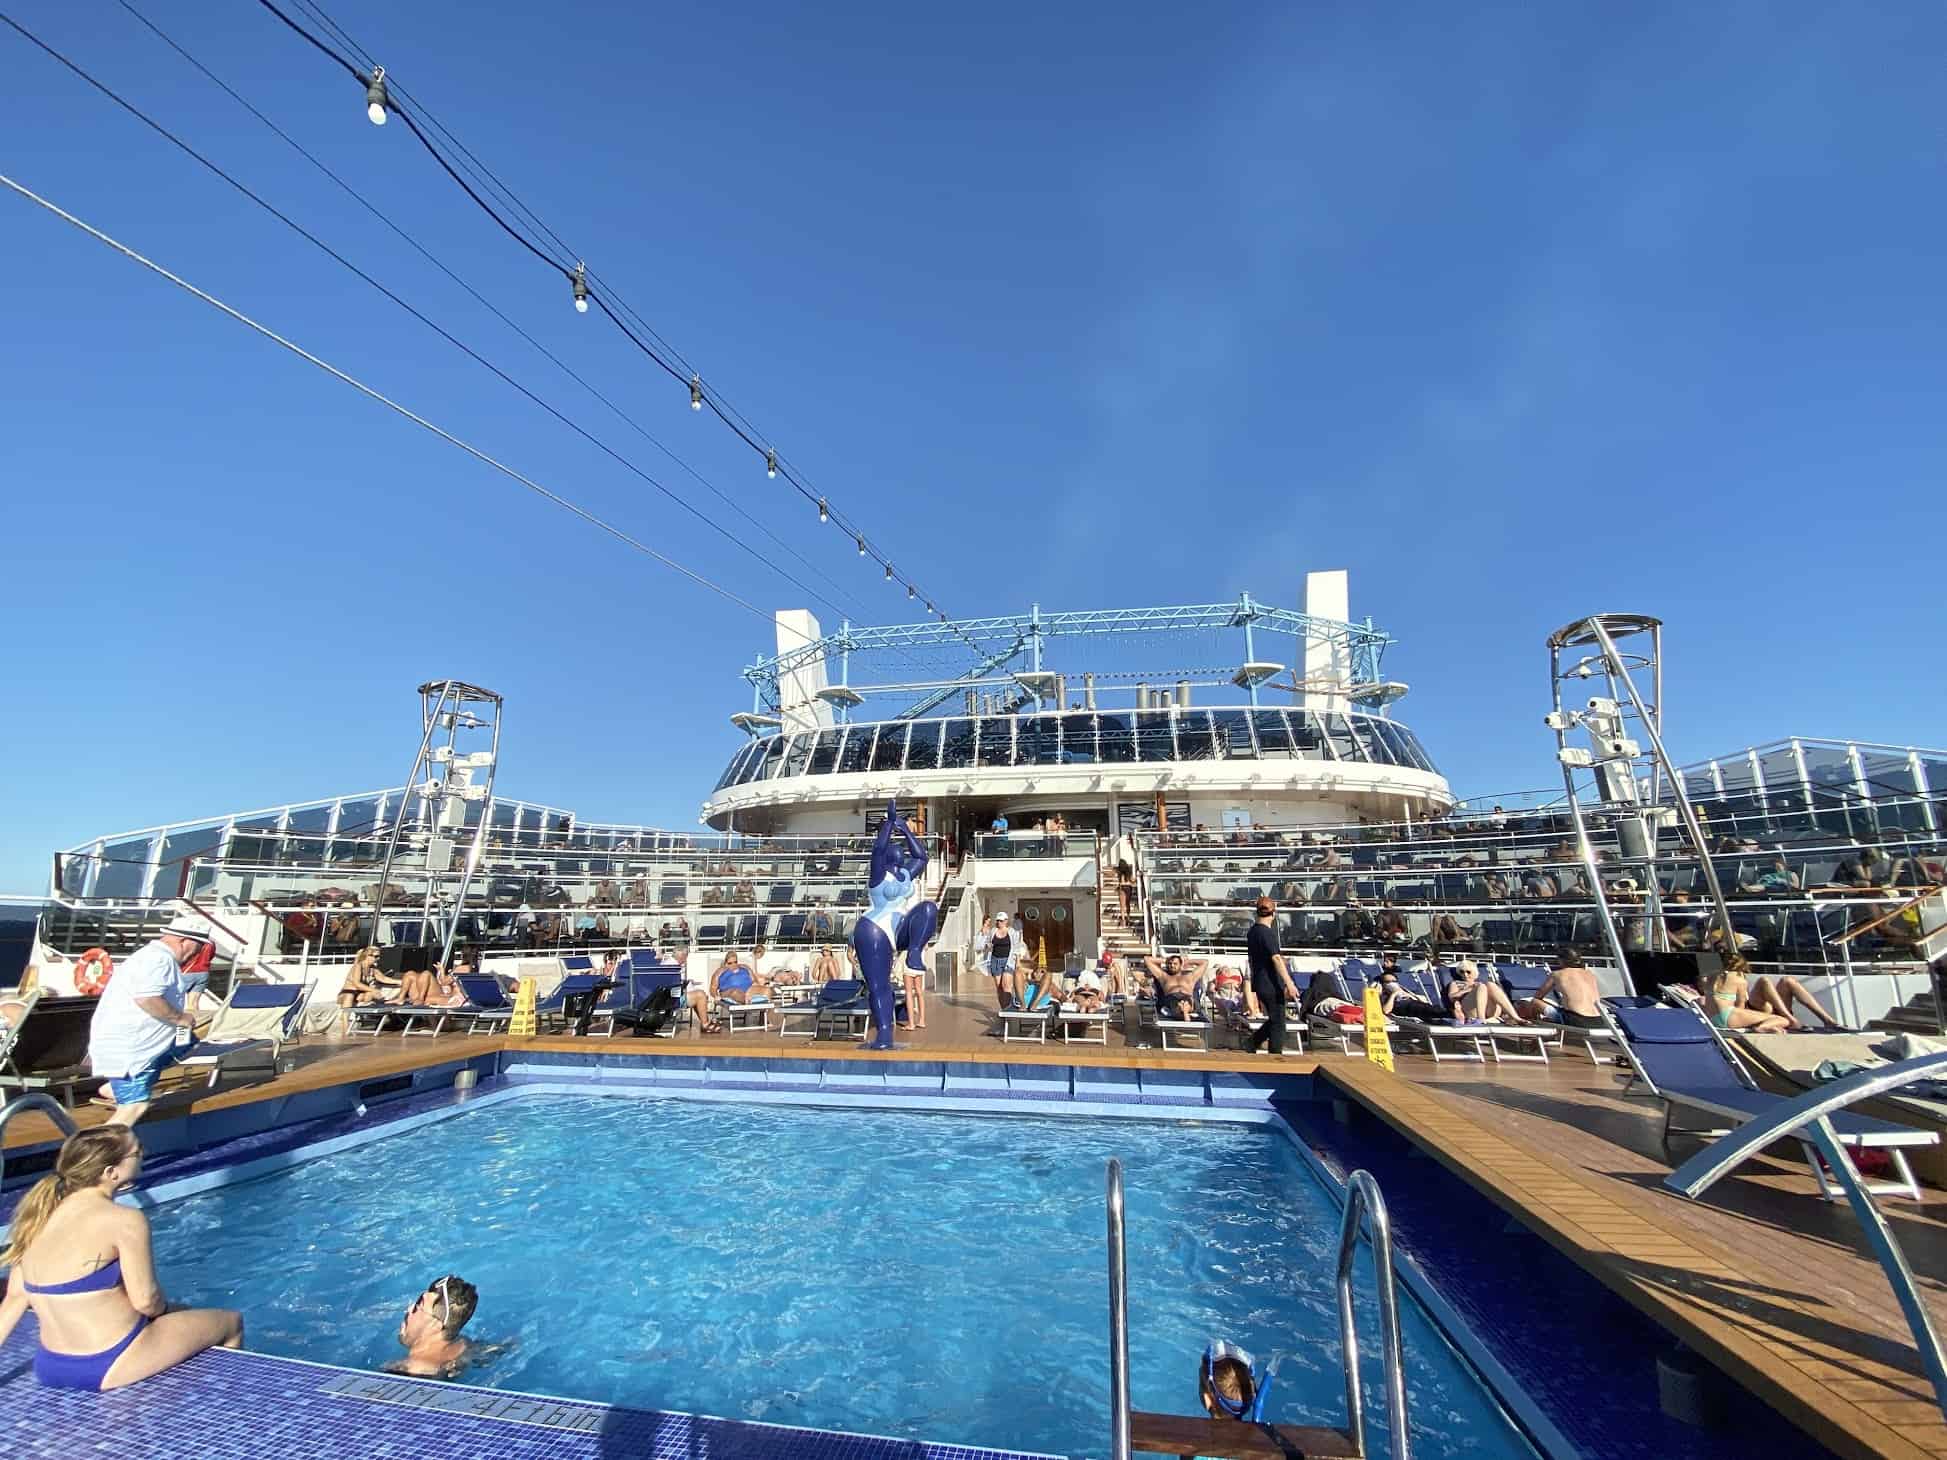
(83, 1265)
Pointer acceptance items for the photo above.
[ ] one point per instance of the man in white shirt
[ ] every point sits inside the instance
(132, 1036)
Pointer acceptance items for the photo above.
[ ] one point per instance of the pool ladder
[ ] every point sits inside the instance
(20, 1105)
(1364, 1208)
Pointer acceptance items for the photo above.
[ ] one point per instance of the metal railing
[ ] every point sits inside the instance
(1118, 1320)
(1808, 1118)
(1363, 1201)
(33, 1100)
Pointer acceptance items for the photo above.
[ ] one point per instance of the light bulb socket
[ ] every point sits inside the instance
(696, 392)
(770, 464)
(824, 512)
(861, 547)
(376, 100)
(911, 592)
(580, 280)
(888, 572)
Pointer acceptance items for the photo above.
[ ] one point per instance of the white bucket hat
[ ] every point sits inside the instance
(195, 929)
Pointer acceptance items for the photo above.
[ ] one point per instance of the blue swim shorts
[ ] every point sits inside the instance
(133, 1089)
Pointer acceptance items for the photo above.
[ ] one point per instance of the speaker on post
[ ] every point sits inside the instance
(392, 960)
(1647, 970)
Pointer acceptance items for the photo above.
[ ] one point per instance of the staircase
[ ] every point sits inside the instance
(1915, 1016)
(1120, 935)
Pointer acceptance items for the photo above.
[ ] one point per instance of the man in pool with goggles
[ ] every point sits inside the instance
(430, 1331)
(1231, 1384)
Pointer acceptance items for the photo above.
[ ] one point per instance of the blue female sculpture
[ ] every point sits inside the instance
(898, 920)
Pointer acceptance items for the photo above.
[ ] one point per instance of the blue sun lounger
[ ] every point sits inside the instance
(487, 1005)
(249, 1028)
(841, 999)
(1685, 1062)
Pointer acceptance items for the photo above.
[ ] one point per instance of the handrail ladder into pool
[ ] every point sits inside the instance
(33, 1100)
(1808, 1117)
(1175, 1434)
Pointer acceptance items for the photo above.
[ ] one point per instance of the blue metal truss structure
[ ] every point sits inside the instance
(1000, 642)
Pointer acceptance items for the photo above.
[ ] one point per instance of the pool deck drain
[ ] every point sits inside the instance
(246, 1406)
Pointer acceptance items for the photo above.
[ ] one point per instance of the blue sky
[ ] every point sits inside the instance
(1516, 314)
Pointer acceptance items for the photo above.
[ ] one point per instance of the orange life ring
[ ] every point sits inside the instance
(92, 973)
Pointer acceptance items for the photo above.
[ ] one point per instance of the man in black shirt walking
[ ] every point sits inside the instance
(1269, 979)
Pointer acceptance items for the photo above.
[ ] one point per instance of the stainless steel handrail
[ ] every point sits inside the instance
(1118, 1321)
(1362, 1200)
(33, 1100)
(1809, 1118)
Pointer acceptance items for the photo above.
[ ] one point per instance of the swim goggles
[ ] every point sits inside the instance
(1260, 1380)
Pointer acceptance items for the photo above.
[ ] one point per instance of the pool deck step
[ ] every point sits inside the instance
(1182, 1434)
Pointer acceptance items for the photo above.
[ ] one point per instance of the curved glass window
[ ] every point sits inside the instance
(1233, 732)
(857, 754)
(1340, 734)
(924, 752)
(1370, 745)
(737, 762)
(957, 744)
(1193, 740)
(771, 762)
(798, 753)
(1273, 735)
(890, 753)
(1037, 741)
(1078, 742)
(824, 755)
(1155, 739)
(996, 741)
(1118, 740)
(1387, 734)
(1308, 737)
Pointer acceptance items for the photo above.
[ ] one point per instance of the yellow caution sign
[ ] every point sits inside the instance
(1379, 1049)
(522, 1024)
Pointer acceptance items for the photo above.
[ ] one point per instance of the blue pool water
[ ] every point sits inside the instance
(904, 1273)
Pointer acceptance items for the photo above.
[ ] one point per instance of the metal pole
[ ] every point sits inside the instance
(1118, 1321)
(1587, 849)
(479, 842)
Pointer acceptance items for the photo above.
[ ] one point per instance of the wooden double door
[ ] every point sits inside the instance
(1048, 925)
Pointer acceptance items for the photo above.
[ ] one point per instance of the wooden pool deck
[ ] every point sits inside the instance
(1764, 1278)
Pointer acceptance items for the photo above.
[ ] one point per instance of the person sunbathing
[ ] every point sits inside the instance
(430, 1331)
(1728, 1004)
(824, 966)
(415, 990)
(446, 992)
(1473, 999)
(1765, 997)
(361, 984)
(1568, 995)
(1087, 993)
(1176, 985)
(1231, 992)
(1395, 1002)
(82, 1263)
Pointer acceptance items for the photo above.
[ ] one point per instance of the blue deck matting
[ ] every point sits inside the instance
(243, 1406)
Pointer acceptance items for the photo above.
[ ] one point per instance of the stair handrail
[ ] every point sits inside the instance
(1808, 1117)
(1363, 1200)
(33, 1100)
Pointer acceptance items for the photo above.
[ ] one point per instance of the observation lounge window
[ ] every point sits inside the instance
(1078, 741)
(1273, 735)
(1344, 747)
(798, 753)
(923, 754)
(1193, 740)
(824, 755)
(767, 764)
(996, 741)
(1233, 732)
(1154, 736)
(1118, 740)
(1416, 750)
(890, 752)
(1307, 737)
(1374, 748)
(857, 754)
(1388, 735)
(1037, 741)
(737, 761)
(957, 744)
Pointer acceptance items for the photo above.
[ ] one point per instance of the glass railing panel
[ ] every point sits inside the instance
(957, 744)
(797, 753)
(996, 742)
(1037, 741)
(1078, 745)
(824, 754)
(1154, 735)
(1193, 737)
(1344, 745)
(1118, 739)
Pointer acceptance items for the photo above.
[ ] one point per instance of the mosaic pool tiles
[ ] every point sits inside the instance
(240, 1406)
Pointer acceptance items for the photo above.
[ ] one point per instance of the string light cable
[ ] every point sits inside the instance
(417, 314)
(586, 285)
(546, 493)
(355, 195)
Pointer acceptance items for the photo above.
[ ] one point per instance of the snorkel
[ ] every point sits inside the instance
(1250, 1412)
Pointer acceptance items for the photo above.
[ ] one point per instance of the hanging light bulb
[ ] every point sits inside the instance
(770, 464)
(824, 512)
(580, 279)
(376, 101)
(861, 547)
(696, 392)
(911, 592)
(888, 572)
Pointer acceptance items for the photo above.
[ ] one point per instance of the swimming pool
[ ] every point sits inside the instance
(896, 1272)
